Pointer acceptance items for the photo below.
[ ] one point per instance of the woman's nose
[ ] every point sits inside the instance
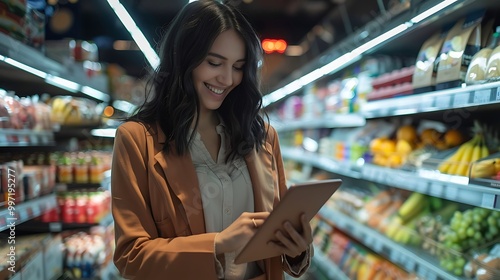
(226, 77)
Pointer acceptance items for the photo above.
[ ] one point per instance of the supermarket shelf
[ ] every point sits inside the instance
(11, 138)
(412, 260)
(327, 266)
(27, 59)
(26, 210)
(454, 188)
(39, 226)
(322, 162)
(468, 98)
(331, 121)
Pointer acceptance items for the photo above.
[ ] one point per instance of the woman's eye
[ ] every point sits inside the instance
(239, 68)
(213, 63)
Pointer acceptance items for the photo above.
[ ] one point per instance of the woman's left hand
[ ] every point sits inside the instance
(290, 241)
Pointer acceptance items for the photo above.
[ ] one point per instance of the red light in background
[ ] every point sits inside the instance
(273, 45)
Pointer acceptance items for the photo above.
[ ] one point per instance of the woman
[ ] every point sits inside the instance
(196, 170)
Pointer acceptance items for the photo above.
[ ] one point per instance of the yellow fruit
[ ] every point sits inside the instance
(388, 146)
(430, 136)
(453, 138)
(376, 144)
(483, 169)
(403, 147)
(408, 133)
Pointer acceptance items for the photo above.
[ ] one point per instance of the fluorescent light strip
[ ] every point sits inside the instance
(104, 132)
(124, 106)
(25, 67)
(349, 57)
(62, 83)
(380, 39)
(135, 32)
(97, 94)
(432, 11)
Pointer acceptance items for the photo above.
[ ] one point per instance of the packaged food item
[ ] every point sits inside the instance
(480, 65)
(424, 76)
(462, 42)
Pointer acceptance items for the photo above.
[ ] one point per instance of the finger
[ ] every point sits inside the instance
(297, 239)
(291, 249)
(259, 215)
(306, 229)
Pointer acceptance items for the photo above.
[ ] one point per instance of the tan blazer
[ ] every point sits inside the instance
(157, 208)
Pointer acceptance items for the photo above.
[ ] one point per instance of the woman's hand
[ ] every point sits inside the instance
(235, 236)
(290, 241)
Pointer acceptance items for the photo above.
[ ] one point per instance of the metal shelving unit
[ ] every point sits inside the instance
(412, 259)
(26, 210)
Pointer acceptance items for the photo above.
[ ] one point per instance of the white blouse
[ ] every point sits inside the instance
(226, 192)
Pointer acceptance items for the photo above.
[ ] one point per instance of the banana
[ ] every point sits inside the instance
(483, 169)
(445, 166)
(484, 151)
(463, 161)
(463, 169)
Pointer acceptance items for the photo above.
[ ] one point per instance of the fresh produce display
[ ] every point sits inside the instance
(467, 229)
(409, 145)
(471, 151)
(68, 110)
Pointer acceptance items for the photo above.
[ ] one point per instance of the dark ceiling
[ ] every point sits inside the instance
(314, 24)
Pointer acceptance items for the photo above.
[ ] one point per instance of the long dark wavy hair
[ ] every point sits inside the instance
(172, 100)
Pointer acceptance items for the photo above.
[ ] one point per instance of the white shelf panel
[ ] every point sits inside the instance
(468, 98)
(27, 210)
(319, 161)
(454, 188)
(412, 260)
(331, 121)
(29, 59)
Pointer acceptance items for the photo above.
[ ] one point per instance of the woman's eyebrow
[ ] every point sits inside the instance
(223, 57)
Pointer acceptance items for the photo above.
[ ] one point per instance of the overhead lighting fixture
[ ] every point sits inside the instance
(104, 132)
(432, 11)
(24, 67)
(124, 106)
(135, 32)
(97, 94)
(349, 57)
(62, 83)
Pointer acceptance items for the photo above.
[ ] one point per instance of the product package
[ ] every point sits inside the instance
(424, 76)
(462, 42)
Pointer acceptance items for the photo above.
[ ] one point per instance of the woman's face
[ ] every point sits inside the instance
(220, 71)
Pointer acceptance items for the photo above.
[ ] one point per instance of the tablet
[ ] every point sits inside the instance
(305, 198)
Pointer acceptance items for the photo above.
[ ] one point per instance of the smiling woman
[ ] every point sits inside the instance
(196, 170)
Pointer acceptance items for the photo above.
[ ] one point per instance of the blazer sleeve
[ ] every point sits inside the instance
(295, 270)
(140, 253)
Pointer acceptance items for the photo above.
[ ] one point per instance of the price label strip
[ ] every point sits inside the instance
(488, 200)
(443, 102)
(482, 96)
(461, 99)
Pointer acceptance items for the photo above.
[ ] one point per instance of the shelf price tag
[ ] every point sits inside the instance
(461, 99)
(482, 96)
(426, 104)
(488, 200)
(443, 102)
(498, 94)
(377, 246)
(409, 264)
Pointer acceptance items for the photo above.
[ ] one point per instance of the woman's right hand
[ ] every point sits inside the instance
(236, 235)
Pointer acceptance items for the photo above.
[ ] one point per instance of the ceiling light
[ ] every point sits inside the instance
(432, 11)
(135, 32)
(349, 57)
(95, 93)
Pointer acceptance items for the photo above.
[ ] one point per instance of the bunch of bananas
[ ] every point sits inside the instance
(469, 152)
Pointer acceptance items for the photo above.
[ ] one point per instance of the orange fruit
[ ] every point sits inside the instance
(407, 132)
(453, 138)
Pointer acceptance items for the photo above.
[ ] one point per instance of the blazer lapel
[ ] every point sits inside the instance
(260, 168)
(180, 176)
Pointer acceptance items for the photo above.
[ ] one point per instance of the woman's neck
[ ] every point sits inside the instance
(208, 120)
